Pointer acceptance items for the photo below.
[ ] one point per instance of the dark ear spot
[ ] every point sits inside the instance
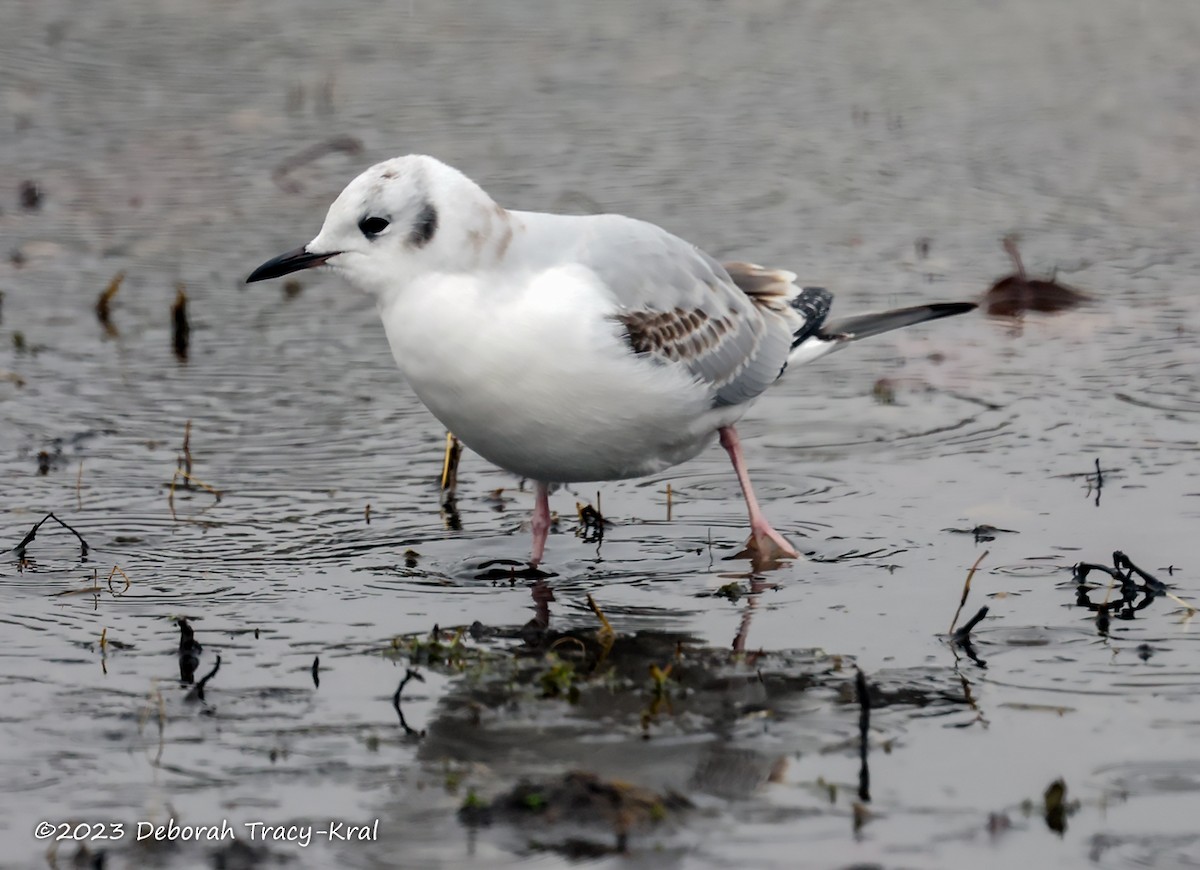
(424, 227)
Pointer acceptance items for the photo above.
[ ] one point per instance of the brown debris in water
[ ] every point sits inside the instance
(31, 195)
(1013, 295)
(1055, 806)
(983, 532)
(591, 522)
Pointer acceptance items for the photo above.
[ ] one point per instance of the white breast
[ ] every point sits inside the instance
(532, 373)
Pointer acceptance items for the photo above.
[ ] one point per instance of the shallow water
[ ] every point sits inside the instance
(825, 138)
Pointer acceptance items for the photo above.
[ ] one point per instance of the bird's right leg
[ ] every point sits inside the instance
(767, 543)
(541, 521)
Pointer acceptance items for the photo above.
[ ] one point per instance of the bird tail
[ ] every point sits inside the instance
(819, 337)
(867, 325)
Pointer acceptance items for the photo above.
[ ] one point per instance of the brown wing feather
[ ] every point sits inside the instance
(679, 335)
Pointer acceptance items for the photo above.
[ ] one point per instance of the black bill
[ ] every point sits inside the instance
(285, 264)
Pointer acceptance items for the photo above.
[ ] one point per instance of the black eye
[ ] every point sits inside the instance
(372, 226)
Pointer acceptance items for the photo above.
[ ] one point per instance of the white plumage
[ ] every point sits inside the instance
(570, 348)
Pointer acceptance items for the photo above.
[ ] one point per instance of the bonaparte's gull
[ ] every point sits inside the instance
(572, 348)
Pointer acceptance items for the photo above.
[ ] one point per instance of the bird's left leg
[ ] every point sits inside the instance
(767, 543)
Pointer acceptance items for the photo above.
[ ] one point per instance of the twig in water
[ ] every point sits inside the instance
(963, 635)
(185, 461)
(410, 674)
(606, 626)
(568, 639)
(197, 692)
(1127, 574)
(669, 494)
(1123, 562)
(449, 482)
(1120, 560)
(864, 725)
(19, 550)
(103, 314)
(607, 635)
(966, 590)
(181, 330)
(1082, 569)
(93, 590)
(1191, 608)
(316, 672)
(449, 477)
(1099, 482)
(116, 569)
(189, 651)
(179, 472)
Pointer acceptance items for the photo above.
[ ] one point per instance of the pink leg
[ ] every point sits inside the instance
(767, 542)
(541, 522)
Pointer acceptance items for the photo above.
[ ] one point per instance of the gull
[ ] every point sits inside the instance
(572, 348)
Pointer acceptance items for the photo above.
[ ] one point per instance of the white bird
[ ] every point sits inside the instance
(571, 348)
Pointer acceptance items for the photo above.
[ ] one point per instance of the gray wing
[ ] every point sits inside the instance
(681, 307)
